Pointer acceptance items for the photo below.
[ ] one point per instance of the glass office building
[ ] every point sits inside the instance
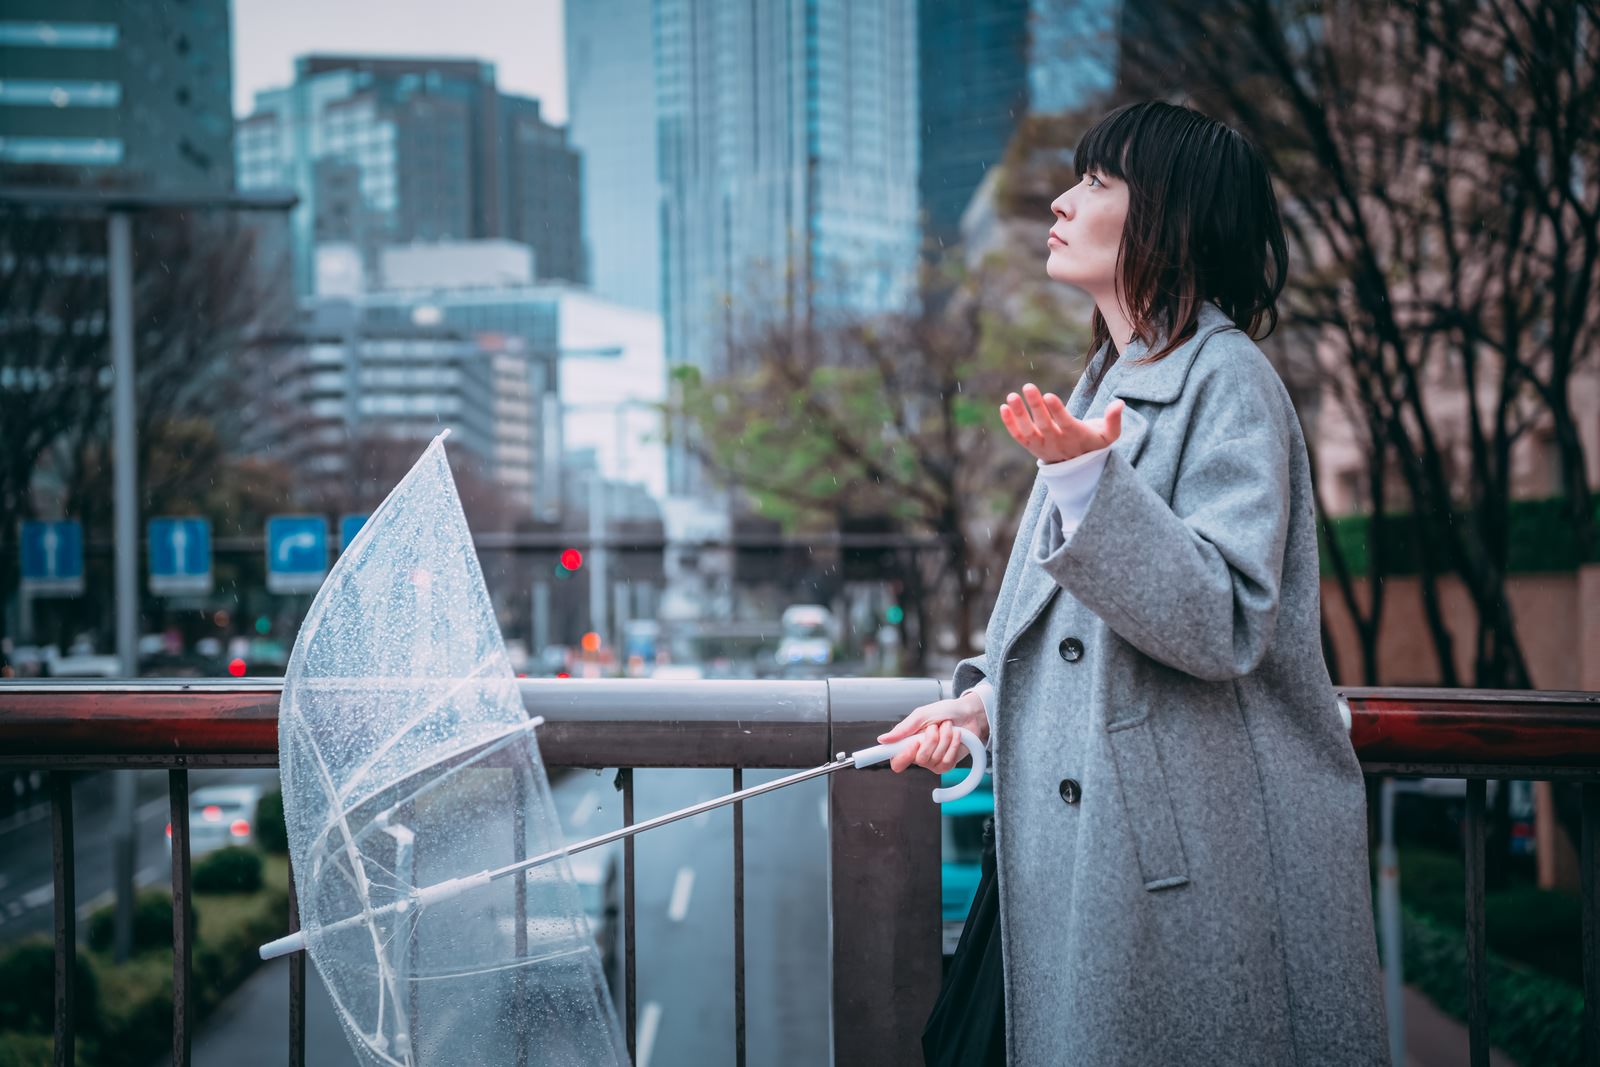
(611, 121)
(392, 150)
(106, 92)
(787, 135)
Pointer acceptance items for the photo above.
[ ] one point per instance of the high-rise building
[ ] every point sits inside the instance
(611, 121)
(132, 95)
(393, 150)
(984, 65)
(973, 90)
(788, 141)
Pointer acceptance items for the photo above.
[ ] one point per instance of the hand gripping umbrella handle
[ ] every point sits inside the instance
(980, 762)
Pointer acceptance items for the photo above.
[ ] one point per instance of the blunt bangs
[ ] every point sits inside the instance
(1203, 222)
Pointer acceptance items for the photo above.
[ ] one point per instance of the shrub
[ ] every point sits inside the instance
(271, 833)
(228, 870)
(28, 987)
(152, 923)
(1533, 1018)
(27, 1050)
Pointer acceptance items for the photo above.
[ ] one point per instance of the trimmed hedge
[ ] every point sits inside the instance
(1532, 1017)
(228, 870)
(28, 975)
(1540, 540)
(271, 833)
(125, 1013)
(152, 923)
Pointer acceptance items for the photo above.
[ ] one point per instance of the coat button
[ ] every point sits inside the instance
(1071, 791)
(1071, 649)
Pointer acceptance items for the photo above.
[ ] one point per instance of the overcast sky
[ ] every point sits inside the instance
(522, 38)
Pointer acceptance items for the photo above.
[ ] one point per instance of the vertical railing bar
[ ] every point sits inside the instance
(738, 920)
(66, 1022)
(1477, 977)
(1589, 854)
(297, 984)
(630, 1003)
(182, 950)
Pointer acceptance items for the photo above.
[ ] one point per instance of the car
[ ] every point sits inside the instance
(221, 815)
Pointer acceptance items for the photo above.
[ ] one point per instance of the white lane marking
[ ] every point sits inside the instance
(14, 908)
(681, 888)
(585, 810)
(4, 881)
(649, 1022)
(40, 896)
(822, 811)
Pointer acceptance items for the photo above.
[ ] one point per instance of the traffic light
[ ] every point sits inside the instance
(571, 559)
(591, 642)
(894, 615)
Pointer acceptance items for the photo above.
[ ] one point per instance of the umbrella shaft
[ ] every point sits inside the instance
(455, 886)
(669, 817)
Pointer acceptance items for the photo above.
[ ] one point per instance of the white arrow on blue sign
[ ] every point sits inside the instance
(52, 558)
(180, 556)
(297, 553)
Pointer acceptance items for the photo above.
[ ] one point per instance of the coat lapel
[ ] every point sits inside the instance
(1156, 383)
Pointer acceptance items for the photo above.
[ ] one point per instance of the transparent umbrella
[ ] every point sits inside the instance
(410, 768)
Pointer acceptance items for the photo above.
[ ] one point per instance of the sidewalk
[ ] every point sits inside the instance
(1434, 1039)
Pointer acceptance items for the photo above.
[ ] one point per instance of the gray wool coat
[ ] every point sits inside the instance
(1180, 819)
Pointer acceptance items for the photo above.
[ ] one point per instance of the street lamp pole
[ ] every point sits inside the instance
(125, 544)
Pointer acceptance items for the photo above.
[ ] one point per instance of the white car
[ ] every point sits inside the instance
(220, 815)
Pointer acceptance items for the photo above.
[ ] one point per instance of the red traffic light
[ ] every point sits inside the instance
(571, 559)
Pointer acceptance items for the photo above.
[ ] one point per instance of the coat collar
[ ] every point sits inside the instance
(1162, 382)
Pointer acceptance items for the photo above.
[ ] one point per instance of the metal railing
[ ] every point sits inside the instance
(883, 908)
(883, 889)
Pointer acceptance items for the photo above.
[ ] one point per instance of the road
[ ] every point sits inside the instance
(684, 907)
(27, 894)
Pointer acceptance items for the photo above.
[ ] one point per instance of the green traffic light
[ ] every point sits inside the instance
(895, 614)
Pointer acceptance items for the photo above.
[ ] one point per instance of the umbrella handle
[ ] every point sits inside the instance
(980, 763)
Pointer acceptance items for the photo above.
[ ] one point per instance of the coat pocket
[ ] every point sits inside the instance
(1148, 802)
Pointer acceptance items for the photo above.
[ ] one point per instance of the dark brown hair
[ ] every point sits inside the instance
(1203, 222)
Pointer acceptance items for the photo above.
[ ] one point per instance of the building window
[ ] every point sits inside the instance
(88, 151)
(58, 34)
(25, 92)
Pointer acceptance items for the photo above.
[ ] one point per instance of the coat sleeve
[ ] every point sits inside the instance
(1193, 584)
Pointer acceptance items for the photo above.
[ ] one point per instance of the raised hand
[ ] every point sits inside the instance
(1040, 423)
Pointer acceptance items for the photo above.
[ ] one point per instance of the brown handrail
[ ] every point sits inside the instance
(1474, 731)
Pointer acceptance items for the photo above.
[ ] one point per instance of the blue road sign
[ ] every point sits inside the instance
(297, 553)
(180, 556)
(52, 558)
(349, 526)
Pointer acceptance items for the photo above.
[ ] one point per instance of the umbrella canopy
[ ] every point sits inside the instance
(408, 761)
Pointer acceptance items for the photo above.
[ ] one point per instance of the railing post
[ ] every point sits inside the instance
(1590, 856)
(883, 882)
(182, 949)
(297, 984)
(1477, 970)
(66, 1021)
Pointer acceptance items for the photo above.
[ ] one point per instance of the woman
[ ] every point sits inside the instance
(1180, 842)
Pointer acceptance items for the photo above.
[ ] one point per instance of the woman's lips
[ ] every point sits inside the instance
(1054, 240)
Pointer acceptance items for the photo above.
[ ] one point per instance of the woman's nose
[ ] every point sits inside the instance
(1062, 205)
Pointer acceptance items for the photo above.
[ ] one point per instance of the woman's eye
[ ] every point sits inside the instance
(1092, 180)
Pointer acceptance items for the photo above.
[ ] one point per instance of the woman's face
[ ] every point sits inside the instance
(1087, 234)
